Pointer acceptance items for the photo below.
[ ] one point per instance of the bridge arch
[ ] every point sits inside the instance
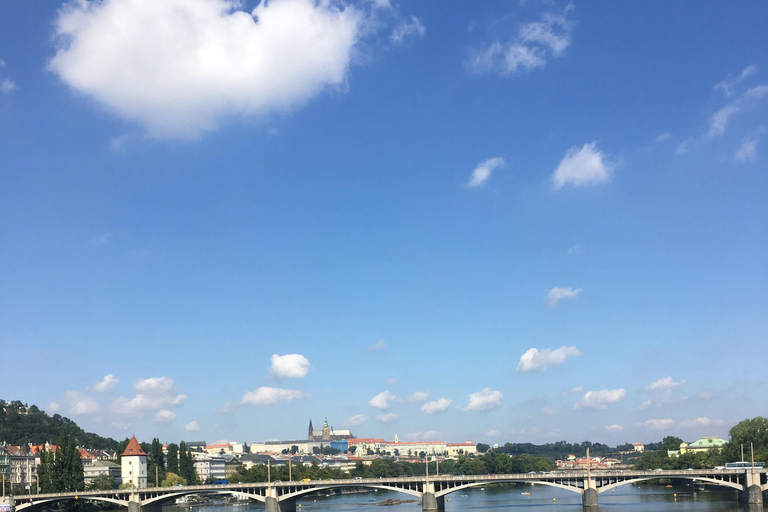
(732, 485)
(174, 495)
(303, 492)
(571, 488)
(26, 505)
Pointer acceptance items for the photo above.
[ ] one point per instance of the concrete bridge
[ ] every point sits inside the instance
(281, 496)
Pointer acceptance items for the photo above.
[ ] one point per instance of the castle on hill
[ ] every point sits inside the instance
(328, 433)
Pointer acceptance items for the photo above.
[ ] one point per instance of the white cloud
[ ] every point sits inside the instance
(392, 381)
(270, 396)
(585, 166)
(702, 422)
(530, 49)
(706, 395)
(483, 171)
(52, 408)
(378, 346)
(576, 250)
(570, 391)
(226, 408)
(493, 433)
(657, 424)
(547, 411)
(7, 86)
(728, 83)
(289, 366)
(534, 360)
(154, 385)
(381, 401)
(436, 405)
(387, 418)
(418, 396)
(429, 435)
(413, 28)
(645, 404)
(484, 400)
(106, 384)
(79, 404)
(663, 136)
(665, 383)
(682, 148)
(747, 151)
(355, 420)
(556, 294)
(719, 120)
(614, 428)
(165, 416)
(192, 426)
(153, 393)
(199, 61)
(601, 399)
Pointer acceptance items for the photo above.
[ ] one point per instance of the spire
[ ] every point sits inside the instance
(133, 448)
(311, 431)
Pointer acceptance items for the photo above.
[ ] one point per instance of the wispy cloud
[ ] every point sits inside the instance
(388, 417)
(418, 396)
(378, 346)
(720, 119)
(583, 166)
(289, 366)
(535, 360)
(729, 82)
(702, 422)
(354, 421)
(600, 399)
(570, 391)
(192, 426)
(484, 400)
(657, 424)
(270, 396)
(665, 383)
(429, 435)
(533, 45)
(7, 86)
(747, 151)
(483, 171)
(576, 250)
(436, 406)
(164, 416)
(410, 29)
(556, 294)
(614, 428)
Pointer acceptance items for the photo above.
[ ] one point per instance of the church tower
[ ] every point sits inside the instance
(326, 430)
(311, 435)
(133, 465)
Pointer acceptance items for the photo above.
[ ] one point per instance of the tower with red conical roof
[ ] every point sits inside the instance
(133, 465)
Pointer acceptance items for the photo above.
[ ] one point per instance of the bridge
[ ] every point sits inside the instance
(751, 484)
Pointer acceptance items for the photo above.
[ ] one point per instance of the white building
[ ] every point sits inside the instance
(207, 466)
(133, 465)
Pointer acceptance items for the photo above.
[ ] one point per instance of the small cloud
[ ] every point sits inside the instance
(392, 381)
(192, 426)
(165, 416)
(381, 4)
(436, 406)
(747, 151)
(555, 295)
(52, 408)
(289, 366)
(7, 86)
(585, 166)
(387, 418)
(355, 420)
(226, 408)
(102, 239)
(429, 435)
(614, 428)
(664, 136)
(682, 148)
(657, 424)
(719, 120)
(570, 391)
(418, 396)
(381, 401)
(80, 405)
(728, 83)
(547, 411)
(534, 360)
(706, 395)
(600, 399)
(413, 28)
(702, 422)
(645, 404)
(106, 384)
(493, 433)
(665, 383)
(483, 171)
(378, 346)
(576, 250)
(484, 400)
(270, 396)
(153, 393)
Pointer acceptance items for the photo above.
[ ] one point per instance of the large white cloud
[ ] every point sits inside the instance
(289, 366)
(269, 396)
(557, 294)
(534, 360)
(179, 66)
(436, 405)
(483, 171)
(582, 166)
(601, 399)
(381, 401)
(81, 405)
(153, 393)
(484, 400)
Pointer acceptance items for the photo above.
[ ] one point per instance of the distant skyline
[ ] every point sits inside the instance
(523, 221)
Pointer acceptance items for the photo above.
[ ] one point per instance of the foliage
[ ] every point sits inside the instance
(258, 473)
(61, 471)
(671, 443)
(155, 462)
(482, 447)
(187, 465)
(21, 424)
(101, 483)
(172, 459)
(172, 479)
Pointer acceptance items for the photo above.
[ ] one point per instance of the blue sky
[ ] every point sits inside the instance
(504, 220)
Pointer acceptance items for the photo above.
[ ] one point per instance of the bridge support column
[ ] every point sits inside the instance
(287, 505)
(134, 506)
(430, 502)
(752, 493)
(12, 503)
(589, 498)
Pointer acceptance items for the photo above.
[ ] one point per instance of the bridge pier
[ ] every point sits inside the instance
(589, 498)
(429, 501)
(753, 492)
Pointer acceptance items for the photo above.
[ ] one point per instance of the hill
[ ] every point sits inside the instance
(21, 424)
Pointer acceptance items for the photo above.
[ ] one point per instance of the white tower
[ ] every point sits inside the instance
(133, 465)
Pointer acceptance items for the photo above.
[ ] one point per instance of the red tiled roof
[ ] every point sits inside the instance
(133, 448)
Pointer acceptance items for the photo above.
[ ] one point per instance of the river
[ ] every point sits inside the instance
(518, 498)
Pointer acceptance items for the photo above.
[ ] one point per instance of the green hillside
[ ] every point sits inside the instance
(21, 424)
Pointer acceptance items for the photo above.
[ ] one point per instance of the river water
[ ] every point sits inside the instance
(519, 498)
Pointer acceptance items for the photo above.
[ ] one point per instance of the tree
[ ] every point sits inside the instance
(156, 463)
(482, 447)
(46, 477)
(67, 465)
(101, 483)
(186, 464)
(172, 479)
(294, 449)
(172, 462)
(671, 443)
